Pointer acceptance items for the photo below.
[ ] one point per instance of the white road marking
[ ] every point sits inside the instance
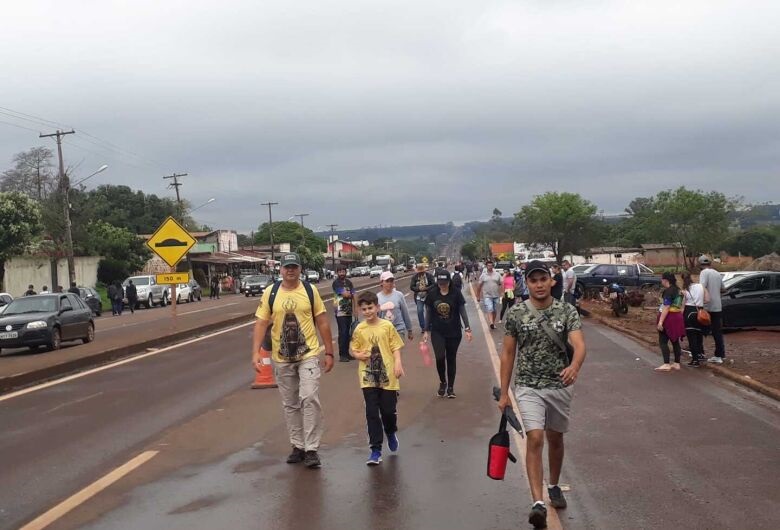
(135, 358)
(73, 402)
(87, 493)
(553, 522)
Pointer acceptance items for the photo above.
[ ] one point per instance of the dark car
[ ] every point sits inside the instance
(752, 300)
(92, 298)
(596, 277)
(196, 292)
(255, 285)
(46, 320)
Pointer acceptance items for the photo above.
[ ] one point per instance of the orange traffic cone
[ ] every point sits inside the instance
(264, 378)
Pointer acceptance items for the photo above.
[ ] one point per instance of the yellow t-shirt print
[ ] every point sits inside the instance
(380, 340)
(293, 333)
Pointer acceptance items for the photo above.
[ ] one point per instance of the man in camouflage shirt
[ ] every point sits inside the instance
(543, 379)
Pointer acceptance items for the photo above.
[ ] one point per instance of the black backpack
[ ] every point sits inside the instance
(457, 280)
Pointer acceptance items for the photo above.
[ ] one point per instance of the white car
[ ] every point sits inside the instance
(400, 268)
(313, 276)
(375, 272)
(183, 292)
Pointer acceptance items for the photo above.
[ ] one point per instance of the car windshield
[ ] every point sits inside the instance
(731, 282)
(257, 279)
(32, 304)
(138, 280)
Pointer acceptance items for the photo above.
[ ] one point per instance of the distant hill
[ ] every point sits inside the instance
(395, 232)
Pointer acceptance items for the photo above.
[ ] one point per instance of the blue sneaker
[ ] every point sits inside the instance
(392, 442)
(375, 458)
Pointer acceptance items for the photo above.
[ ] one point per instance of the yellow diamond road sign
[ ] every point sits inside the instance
(171, 242)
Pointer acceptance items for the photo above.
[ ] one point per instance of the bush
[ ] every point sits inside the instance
(200, 277)
(110, 270)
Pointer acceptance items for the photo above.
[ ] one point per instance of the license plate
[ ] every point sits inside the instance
(9, 335)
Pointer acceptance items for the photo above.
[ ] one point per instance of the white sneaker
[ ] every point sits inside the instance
(664, 368)
(715, 360)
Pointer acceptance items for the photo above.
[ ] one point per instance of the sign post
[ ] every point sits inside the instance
(171, 242)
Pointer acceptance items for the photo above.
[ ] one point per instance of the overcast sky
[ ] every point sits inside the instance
(367, 112)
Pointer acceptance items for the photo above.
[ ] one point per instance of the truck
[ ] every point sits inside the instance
(598, 275)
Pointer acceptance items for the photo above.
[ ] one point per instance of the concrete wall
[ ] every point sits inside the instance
(21, 272)
(665, 256)
(610, 259)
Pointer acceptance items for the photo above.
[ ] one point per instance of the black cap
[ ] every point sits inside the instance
(536, 265)
(442, 275)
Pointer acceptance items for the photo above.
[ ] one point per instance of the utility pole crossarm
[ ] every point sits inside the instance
(270, 226)
(176, 185)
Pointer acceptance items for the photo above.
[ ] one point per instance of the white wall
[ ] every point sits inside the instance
(21, 272)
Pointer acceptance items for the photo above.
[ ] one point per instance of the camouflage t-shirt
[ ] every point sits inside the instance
(540, 360)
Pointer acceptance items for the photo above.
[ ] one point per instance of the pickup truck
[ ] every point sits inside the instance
(599, 275)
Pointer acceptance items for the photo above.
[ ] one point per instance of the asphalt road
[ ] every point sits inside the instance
(647, 450)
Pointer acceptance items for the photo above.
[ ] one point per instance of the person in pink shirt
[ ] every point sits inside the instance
(508, 298)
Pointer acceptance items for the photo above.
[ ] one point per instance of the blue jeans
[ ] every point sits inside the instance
(420, 312)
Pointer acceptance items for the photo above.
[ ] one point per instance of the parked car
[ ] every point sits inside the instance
(5, 299)
(196, 291)
(183, 292)
(313, 276)
(598, 276)
(752, 299)
(375, 271)
(257, 284)
(729, 275)
(400, 268)
(150, 293)
(92, 298)
(583, 267)
(46, 320)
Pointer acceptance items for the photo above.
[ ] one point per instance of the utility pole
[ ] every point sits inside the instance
(175, 185)
(270, 226)
(332, 248)
(65, 190)
(303, 233)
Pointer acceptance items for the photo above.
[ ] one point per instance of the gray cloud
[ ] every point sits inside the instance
(403, 112)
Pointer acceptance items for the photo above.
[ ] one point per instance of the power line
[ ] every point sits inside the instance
(19, 126)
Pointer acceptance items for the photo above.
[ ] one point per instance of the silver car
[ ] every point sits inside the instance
(150, 293)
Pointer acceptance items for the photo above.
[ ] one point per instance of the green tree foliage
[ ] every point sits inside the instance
(697, 220)
(755, 242)
(20, 223)
(470, 250)
(645, 225)
(290, 232)
(33, 174)
(118, 244)
(563, 221)
(310, 259)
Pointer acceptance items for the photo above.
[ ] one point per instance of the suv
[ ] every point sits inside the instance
(149, 291)
(313, 276)
(598, 276)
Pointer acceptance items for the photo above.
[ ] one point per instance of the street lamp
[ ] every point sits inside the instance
(69, 226)
(202, 205)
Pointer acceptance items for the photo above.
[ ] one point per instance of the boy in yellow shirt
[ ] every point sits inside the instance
(377, 345)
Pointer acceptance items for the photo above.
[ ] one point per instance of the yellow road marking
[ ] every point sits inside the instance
(553, 521)
(87, 493)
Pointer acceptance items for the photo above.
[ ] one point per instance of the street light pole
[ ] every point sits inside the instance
(332, 249)
(64, 188)
(271, 226)
(303, 233)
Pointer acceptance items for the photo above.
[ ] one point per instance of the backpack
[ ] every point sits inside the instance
(457, 280)
(272, 297)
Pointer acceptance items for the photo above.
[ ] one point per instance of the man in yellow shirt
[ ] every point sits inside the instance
(295, 313)
(377, 345)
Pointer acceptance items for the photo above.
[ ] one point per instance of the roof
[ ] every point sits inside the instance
(229, 257)
(613, 250)
(660, 246)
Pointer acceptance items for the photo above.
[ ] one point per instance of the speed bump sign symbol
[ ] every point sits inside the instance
(171, 242)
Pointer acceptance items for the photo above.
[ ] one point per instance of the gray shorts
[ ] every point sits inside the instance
(546, 408)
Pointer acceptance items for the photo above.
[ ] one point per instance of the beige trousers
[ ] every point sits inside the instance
(299, 385)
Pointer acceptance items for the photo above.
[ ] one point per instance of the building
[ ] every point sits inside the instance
(504, 251)
(615, 255)
(341, 248)
(657, 254)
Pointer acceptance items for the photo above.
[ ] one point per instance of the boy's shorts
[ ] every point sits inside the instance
(545, 408)
(490, 304)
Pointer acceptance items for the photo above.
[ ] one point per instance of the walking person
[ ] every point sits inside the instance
(670, 322)
(392, 305)
(30, 290)
(117, 301)
(295, 312)
(508, 299)
(111, 295)
(214, 284)
(377, 345)
(131, 292)
(557, 288)
(695, 297)
(712, 281)
(488, 290)
(73, 289)
(539, 329)
(345, 307)
(457, 278)
(421, 283)
(569, 283)
(445, 308)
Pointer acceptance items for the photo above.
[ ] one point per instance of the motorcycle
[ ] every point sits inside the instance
(617, 299)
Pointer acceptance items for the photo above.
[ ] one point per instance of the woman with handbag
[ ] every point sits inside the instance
(695, 297)
(671, 325)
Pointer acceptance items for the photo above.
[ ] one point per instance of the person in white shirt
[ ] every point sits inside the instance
(569, 282)
(712, 282)
(695, 298)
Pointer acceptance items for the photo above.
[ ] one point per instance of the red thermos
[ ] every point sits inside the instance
(426, 353)
(499, 453)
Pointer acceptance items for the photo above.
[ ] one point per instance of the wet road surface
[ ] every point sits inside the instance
(646, 450)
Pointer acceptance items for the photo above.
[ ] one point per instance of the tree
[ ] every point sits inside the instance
(32, 174)
(244, 240)
(564, 222)
(117, 245)
(470, 250)
(309, 259)
(697, 220)
(755, 242)
(20, 223)
(290, 232)
(645, 225)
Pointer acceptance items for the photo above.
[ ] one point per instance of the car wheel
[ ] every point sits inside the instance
(56, 340)
(90, 334)
(149, 302)
(178, 299)
(164, 300)
(246, 294)
(199, 296)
